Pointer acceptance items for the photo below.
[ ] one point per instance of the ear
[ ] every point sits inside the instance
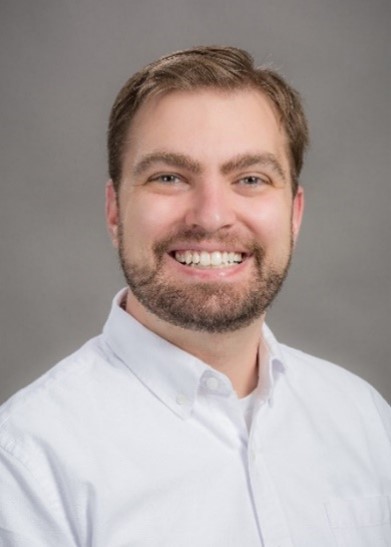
(112, 212)
(297, 212)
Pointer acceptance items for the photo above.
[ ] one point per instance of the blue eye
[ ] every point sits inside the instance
(167, 179)
(252, 181)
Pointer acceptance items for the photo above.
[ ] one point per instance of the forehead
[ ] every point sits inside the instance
(208, 124)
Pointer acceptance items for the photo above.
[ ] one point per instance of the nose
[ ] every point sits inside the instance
(211, 208)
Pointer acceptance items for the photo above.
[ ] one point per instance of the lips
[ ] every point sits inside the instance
(206, 259)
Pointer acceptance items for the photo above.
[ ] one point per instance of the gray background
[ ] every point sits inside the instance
(62, 64)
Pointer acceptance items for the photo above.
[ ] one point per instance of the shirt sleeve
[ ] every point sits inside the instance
(26, 516)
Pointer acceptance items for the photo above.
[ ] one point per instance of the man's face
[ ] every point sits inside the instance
(205, 220)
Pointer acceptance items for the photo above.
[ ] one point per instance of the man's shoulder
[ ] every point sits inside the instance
(62, 387)
(328, 384)
(313, 370)
(309, 363)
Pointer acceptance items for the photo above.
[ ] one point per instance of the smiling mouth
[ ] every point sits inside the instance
(205, 259)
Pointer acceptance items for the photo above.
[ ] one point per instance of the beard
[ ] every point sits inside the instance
(214, 307)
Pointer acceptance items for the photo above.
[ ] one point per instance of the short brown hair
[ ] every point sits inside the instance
(224, 68)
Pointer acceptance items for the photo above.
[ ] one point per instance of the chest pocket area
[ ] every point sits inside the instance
(361, 522)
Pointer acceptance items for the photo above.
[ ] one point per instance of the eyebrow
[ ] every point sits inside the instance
(169, 158)
(245, 161)
(182, 161)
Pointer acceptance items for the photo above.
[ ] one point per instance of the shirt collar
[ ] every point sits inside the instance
(173, 375)
(275, 367)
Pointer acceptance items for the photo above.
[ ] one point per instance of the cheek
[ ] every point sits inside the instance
(147, 221)
(271, 222)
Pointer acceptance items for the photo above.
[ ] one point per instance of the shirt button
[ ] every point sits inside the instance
(181, 399)
(212, 383)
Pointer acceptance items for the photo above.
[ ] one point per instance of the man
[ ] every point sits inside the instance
(185, 423)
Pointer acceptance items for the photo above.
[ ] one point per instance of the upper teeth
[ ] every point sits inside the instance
(203, 258)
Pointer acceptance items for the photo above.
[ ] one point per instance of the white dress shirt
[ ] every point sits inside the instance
(131, 441)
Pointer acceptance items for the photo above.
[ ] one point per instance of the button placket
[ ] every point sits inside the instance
(267, 505)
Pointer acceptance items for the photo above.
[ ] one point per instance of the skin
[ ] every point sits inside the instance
(215, 163)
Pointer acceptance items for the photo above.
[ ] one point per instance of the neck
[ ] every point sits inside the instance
(233, 353)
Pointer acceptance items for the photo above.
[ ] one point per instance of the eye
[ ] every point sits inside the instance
(166, 183)
(252, 181)
(166, 178)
